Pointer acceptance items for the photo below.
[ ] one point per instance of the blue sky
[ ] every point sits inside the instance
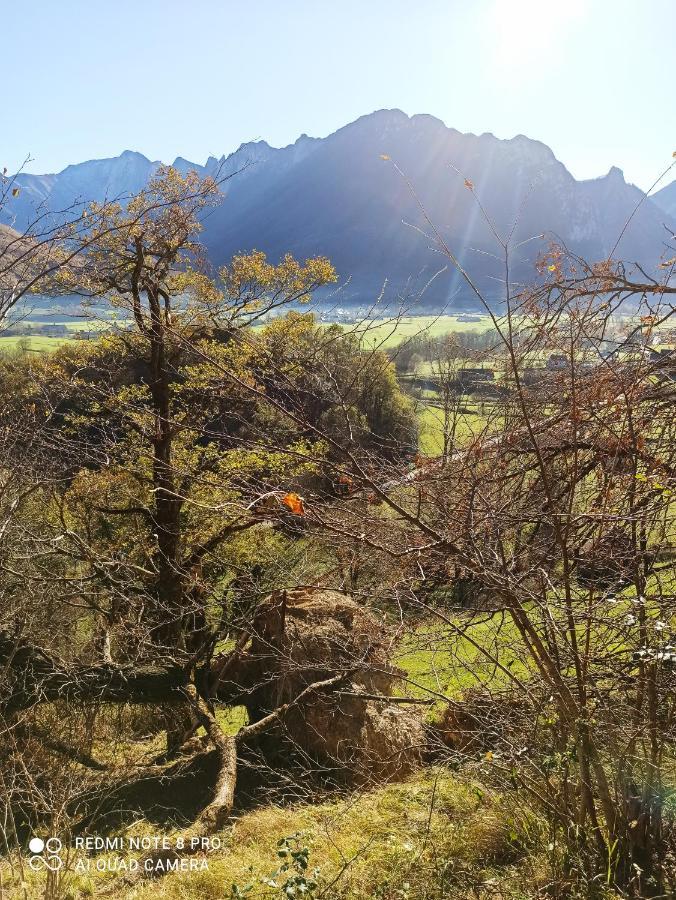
(594, 79)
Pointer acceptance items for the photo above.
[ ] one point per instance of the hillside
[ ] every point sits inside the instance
(666, 199)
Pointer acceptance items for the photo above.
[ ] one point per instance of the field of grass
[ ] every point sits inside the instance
(470, 424)
(431, 439)
(32, 344)
(441, 658)
(434, 835)
(382, 333)
(38, 343)
(390, 332)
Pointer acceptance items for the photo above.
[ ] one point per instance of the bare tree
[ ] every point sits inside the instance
(561, 513)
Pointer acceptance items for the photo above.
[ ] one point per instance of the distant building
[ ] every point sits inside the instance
(666, 361)
(53, 330)
(533, 374)
(467, 376)
(557, 362)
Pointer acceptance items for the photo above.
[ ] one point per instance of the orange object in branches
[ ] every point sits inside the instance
(294, 503)
(345, 484)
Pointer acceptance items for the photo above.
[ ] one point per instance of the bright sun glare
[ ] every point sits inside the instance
(528, 33)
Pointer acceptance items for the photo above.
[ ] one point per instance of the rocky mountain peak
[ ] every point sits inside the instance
(337, 197)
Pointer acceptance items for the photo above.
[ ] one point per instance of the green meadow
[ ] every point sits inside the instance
(384, 333)
(31, 343)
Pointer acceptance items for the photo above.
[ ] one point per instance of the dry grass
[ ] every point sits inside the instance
(433, 836)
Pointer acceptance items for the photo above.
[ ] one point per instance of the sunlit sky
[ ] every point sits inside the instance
(83, 79)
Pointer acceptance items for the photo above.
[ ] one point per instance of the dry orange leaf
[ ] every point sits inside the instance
(469, 184)
(294, 503)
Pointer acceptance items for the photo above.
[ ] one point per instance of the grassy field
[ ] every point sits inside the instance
(469, 426)
(32, 344)
(434, 835)
(37, 343)
(442, 658)
(381, 333)
(390, 332)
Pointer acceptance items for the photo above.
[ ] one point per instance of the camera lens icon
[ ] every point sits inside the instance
(46, 854)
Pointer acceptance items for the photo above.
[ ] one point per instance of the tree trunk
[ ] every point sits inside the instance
(216, 814)
(30, 676)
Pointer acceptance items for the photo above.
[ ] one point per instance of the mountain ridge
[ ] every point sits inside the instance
(338, 197)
